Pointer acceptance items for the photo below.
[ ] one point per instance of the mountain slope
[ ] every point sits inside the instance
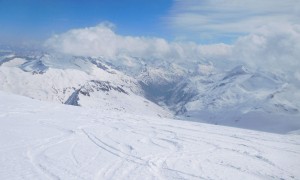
(74, 80)
(40, 140)
(241, 98)
(197, 91)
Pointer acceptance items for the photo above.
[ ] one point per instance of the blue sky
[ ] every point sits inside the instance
(42, 18)
(202, 21)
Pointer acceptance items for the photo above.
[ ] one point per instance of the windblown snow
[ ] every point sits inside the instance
(42, 140)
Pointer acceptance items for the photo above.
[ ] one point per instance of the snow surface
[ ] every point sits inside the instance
(41, 140)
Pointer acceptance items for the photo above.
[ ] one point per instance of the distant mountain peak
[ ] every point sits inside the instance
(236, 71)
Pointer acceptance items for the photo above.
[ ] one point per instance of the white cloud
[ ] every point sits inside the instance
(101, 40)
(276, 48)
(211, 18)
(271, 47)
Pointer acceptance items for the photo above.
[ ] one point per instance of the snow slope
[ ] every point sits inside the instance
(81, 81)
(40, 140)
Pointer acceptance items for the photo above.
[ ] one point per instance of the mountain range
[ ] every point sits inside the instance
(197, 91)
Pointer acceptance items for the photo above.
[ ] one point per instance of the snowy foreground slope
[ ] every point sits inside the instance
(40, 140)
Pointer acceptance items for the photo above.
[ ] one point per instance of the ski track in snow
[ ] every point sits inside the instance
(48, 141)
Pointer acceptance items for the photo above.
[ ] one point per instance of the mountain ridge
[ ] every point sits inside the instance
(239, 97)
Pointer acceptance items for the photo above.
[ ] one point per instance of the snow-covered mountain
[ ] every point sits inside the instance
(239, 97)
(244, 98)
(80, 81)
(198, 91)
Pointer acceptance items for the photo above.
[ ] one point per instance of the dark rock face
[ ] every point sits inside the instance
(93, 86)
(73, 99)
(36, 67)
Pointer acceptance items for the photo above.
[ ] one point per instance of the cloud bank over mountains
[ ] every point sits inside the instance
(101, 40)
(275, 47)
(272, 47)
